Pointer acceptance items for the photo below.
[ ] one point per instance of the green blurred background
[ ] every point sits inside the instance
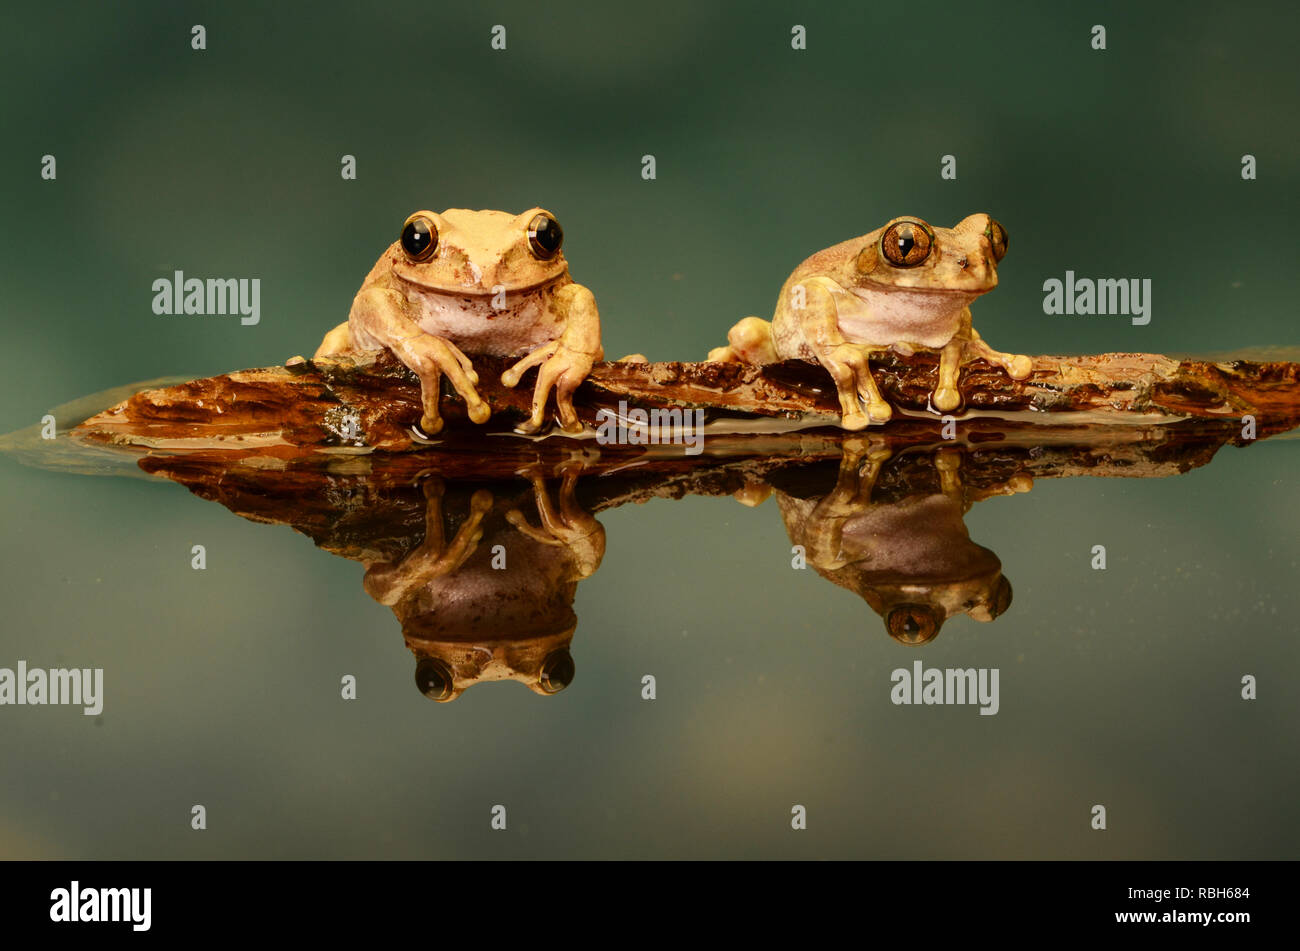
(1118, 687)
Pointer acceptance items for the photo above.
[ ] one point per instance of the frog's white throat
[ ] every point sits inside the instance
(927, 318)
(907, 305)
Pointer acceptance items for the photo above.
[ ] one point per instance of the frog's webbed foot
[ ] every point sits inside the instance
(563, 370)
(849, 365)
(378, 319)
(565, 362)
(564, 523)
(430, 357)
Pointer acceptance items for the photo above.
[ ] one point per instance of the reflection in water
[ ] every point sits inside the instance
(496, 602)
(910, 557)
(479, 555)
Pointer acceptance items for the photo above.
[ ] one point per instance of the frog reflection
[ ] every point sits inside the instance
(912, 560)
(496, 601)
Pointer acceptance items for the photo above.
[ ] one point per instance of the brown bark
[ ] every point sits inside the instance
(371, 403)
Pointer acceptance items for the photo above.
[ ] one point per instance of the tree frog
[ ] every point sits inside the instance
(495, 602)
(906, 286)
(481, 282)
(911, 560)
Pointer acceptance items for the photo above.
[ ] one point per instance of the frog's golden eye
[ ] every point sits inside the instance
(545, 236)
(434, 679)
(419, 237)
(998, 239)
(913, 624)
(557, 670)
(906, 243)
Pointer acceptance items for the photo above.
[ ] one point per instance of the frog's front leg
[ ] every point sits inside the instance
(565, 362)
(946, 396)
(567, 525)
(378, 320)
(849, 364)
(965, 345)
(860, 464)
(390, 583)
(947, 462)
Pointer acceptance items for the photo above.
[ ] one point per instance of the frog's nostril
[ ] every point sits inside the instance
(962, 262)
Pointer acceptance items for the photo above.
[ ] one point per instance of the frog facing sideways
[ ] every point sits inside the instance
(907, 554)
(904, 287)
(482, 282)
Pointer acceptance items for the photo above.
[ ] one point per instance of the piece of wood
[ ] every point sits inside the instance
(370, 403)
(371, 507)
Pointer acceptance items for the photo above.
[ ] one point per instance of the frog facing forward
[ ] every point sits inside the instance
(482, 282)
(906, 287)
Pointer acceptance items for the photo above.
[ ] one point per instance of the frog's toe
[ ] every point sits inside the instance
(880, 412)
(752, 494)
(427, 428)
(946, 398)
(1020, 367)
(572, 426)
(528, 427)
(854, 421)
(479, 412)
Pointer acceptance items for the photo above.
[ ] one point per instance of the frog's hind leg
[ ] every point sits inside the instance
(1018, 366)
(338, 340)
(749, 341)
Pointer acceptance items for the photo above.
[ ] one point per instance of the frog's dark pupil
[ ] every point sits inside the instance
(905, 242)
(545, 235)
(910, 624)
(557, 671)
(433, 678)
(417, 237)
